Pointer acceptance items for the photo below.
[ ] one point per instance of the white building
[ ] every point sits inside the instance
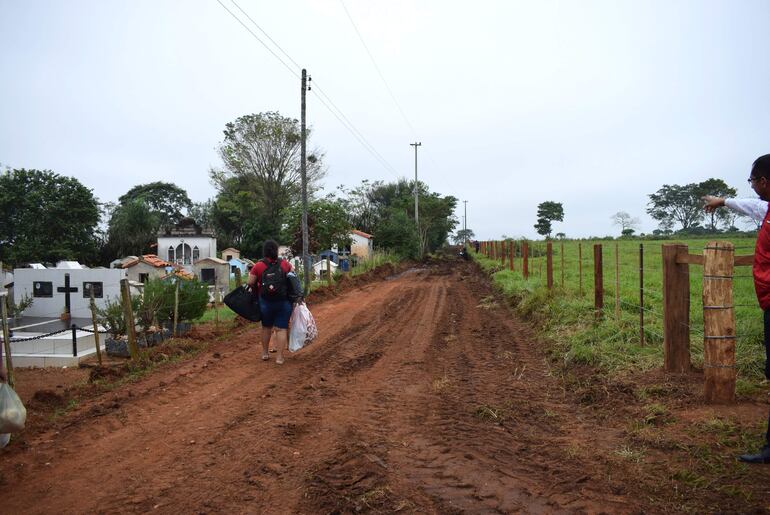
(321, 269)
(186, 243)
(47, 289)
(362, 244)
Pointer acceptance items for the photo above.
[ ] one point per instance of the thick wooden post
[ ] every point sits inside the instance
(238, 278)
(128, 313)
(6, 340)
(676, 310)
(328, 271)
(503, 248)
(718, 322)
(525, 259)
(176, 306)
(549, 265)
(641, 294)
(598, 282)
(561, 250)
(617, 281)
(96, 328)
(511, 253)
(580, 268)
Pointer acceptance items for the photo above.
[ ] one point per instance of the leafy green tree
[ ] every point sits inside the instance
(262, 153)
(328, 225)
(462, 236)
(673, 204)
(547, 213)
(396, 231)
(46, 217)
(373, 207)
(717, 188)
(164, 199)
(202, 213)
(132, 229)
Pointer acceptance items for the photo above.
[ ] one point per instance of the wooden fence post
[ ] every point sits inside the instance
(641, 294)
(617, 281)
(598, 282)
(549, 265)
(718, 322)
(176, 306)
(238, 278)
(511, 254)
(128, 313)
(6, 340)
(96, 327)
(580, 268)
(328, 271)
(561, 250)
(525, 259)
(676, 310)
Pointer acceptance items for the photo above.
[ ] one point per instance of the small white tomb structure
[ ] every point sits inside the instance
(50, 287)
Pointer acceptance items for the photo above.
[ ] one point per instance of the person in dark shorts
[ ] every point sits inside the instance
(275, 307)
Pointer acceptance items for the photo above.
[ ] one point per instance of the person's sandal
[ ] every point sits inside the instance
(279, 361)
(265, 357)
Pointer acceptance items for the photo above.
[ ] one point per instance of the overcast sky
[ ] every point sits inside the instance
(592, 104)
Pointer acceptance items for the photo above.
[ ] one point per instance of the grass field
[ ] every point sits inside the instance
(567, 317)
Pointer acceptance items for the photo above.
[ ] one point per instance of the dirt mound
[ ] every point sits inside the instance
(46, 399)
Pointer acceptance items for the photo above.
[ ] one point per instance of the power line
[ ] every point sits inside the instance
(339, 114)
(377, 68)
(257, 38)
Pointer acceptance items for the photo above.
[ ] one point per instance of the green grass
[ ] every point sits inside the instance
(225, 315)
(566, 313)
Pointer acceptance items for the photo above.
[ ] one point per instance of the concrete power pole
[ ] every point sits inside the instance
(303, 171)
(416, 195)
(465, 221)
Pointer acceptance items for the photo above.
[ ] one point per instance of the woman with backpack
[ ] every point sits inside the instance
(269, 279)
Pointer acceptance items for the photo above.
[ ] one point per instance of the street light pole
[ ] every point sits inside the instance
(416, 195)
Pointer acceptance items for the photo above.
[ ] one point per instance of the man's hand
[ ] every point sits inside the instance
(711, 203)
(3, 375)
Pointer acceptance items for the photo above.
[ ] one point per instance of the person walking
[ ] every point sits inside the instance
(269, 277)
(757, 209)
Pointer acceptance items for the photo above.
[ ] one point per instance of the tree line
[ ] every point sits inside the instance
(47, 217)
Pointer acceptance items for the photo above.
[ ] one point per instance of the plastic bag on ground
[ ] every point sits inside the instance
(4, 439)
(302, 328)
(13, 414)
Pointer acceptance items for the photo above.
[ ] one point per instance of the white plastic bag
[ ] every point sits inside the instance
(13, 414)
(302, 328)
(4, 439)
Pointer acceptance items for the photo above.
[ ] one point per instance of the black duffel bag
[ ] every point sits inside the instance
(244, 303)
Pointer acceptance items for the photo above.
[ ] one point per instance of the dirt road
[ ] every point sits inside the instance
(420, 394)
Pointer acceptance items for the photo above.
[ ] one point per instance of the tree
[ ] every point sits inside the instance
(330, 225)
(676, 204)
(462, 236)
(202, 213)
(261, 157)
(164, 199)
(548, 212)
(625, 221)
(377, 206)
(717, 188)
(132, 229)
(46, 217)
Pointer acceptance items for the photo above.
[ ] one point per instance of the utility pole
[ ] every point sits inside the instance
(465, 220)
(416, 198)
(303, 171)
(416, 195)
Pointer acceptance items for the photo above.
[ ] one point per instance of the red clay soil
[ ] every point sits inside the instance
(421, 394)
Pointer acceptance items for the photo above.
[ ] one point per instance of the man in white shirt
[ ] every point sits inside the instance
(758, 210)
